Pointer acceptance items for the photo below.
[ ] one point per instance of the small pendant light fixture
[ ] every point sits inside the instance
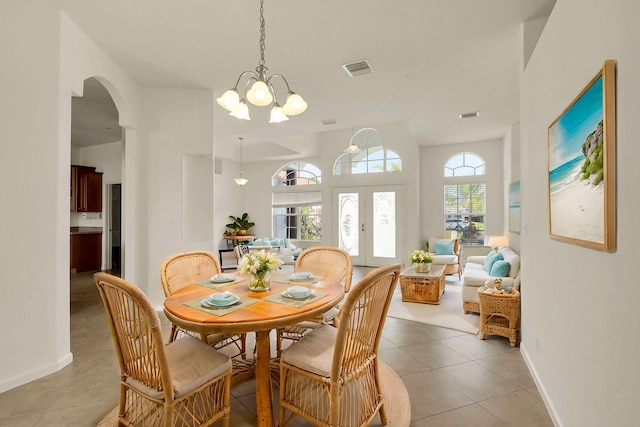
(353, 147)
(261, 92)
(240, 180)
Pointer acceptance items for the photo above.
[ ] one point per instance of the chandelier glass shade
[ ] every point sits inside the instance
(259, 90)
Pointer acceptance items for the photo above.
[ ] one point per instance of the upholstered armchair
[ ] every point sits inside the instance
(446, 252)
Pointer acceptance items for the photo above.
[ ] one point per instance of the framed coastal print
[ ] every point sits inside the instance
(514, 207)
(582, 176)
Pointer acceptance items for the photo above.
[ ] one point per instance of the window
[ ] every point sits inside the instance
(464, 164)
(465, 203)
(373, 158)
(296, 214)
(298, 173)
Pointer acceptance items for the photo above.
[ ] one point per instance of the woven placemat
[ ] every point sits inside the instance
(221, 311)
(280, 299)
(215, 285)
(288, 281)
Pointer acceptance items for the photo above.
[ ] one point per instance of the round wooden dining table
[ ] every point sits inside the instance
(260, 317)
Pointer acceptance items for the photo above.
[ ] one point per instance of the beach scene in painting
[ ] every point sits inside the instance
(576, 173)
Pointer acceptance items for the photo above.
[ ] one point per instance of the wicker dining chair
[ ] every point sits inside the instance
(331, 376)
(330, 263)
(188, 268)
(183, 383)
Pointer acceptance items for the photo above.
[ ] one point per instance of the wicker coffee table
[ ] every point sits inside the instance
(426, 288)
(499, 313)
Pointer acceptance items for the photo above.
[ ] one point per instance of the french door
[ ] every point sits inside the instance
(369, 223)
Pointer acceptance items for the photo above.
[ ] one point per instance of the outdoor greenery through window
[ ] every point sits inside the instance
(297, 214)
(465, 203)
(373, 158)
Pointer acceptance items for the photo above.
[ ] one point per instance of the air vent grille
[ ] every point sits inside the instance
(358, 68)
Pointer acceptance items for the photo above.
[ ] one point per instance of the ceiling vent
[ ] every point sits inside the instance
(358, 68)
(469, 115)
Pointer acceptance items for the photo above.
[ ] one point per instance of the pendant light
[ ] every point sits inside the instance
(353, 147)
(261, 91)
(240, 180)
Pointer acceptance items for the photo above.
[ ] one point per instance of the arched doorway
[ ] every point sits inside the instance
(97, 142)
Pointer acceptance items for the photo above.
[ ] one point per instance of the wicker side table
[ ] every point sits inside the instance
(426, 288)
(499, 313)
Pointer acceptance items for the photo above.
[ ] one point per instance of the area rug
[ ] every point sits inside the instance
(397, 404)
(447, 315)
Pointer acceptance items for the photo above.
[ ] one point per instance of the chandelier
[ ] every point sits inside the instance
(240, 180)
(261, 91)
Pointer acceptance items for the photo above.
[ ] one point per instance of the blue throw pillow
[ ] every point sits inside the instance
(500, 269)
(490, 259)
(444, 248)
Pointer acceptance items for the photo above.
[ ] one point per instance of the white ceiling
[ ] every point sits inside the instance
(432, 59)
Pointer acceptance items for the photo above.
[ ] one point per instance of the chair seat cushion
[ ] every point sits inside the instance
(192, 363)
(314, 352)
(445, 259)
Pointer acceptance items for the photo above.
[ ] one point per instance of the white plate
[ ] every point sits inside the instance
(208, 303)
(286, 295)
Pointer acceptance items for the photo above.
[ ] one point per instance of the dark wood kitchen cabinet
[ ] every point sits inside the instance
(86, 252)
(86, 189)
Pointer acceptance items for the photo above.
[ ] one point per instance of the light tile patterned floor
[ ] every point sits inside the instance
(453, 378)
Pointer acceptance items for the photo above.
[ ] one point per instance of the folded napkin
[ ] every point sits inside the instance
(302, 275)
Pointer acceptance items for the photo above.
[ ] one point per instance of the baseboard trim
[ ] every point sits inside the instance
(543, 392)
(34, 374)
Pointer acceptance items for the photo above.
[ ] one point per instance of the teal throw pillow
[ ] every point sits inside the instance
(490, 259)
(444, 247)
(500, 269)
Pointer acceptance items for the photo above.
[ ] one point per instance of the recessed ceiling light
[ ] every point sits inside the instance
(469, 115)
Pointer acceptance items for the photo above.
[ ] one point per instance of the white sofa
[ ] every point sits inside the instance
(286, 250)
(475, 275)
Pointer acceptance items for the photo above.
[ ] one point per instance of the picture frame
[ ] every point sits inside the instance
(514, 207)
(581, 172)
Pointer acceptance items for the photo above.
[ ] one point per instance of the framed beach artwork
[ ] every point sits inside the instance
(514, 207)
(582, 176)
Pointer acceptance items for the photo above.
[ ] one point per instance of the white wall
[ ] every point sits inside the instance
(48, 65)
(178, 127)
(579, 306)
(432, 161)
(36, 330)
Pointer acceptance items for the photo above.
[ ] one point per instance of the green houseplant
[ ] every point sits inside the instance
(240, 224)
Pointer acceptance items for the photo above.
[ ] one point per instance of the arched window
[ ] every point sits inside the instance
(296, 214)
(297, 173)
(464, 164)
(372, 158)
(465, 202)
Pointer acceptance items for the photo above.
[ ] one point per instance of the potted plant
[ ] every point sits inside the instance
(240, 224)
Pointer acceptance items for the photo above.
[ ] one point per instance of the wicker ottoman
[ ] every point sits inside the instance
(499, 313)
(426, 288)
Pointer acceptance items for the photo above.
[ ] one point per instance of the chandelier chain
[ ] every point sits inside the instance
(263, 33)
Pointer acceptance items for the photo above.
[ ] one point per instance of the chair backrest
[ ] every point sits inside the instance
(137, 335)
(240, 251)
(186, 269)
(362, 317)
(329, 262)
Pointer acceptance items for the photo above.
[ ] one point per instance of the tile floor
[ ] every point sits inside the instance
(453, 378)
